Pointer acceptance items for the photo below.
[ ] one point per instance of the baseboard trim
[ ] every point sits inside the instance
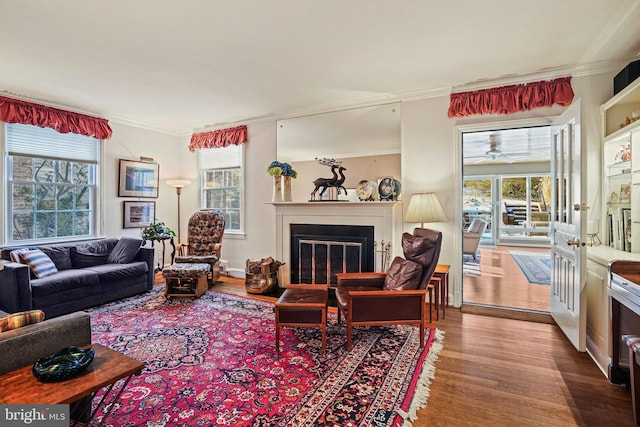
(508, 313)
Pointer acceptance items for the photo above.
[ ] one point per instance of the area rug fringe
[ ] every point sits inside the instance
(427, 375)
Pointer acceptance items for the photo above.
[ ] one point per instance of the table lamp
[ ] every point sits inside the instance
(425, 207)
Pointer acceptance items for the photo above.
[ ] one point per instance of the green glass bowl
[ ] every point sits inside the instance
(63, 364)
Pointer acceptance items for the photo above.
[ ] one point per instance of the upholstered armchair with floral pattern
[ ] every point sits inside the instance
(204, 241)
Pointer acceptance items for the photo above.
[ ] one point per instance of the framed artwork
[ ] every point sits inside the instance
(138, 179)
(138, 214)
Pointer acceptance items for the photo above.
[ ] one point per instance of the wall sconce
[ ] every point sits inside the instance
(178, 184)
(425, 207)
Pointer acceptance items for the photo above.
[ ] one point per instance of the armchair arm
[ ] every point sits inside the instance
(384, 306)
(15, 292)
(373, 280)
(147, 255)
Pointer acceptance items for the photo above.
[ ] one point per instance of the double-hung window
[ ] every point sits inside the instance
(51, 184)
(221, 183)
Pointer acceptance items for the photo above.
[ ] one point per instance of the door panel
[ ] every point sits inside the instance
(568, 296)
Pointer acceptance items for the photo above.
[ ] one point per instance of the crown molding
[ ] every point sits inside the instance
(143, 125)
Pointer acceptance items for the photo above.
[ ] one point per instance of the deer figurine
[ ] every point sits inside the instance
(334, 181)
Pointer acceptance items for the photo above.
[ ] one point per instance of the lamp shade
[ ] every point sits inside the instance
(178, 183)
(425, 207)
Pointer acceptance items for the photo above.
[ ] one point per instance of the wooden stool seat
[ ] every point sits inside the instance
(302, 306)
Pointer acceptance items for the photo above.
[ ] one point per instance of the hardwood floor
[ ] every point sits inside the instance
(504, 372)
(502, 283)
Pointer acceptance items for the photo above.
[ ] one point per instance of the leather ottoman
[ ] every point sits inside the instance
(302, 306)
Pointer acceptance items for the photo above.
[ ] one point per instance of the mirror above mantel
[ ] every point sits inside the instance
(365, 139)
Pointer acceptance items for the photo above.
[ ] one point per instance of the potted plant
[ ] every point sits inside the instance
(156, 232)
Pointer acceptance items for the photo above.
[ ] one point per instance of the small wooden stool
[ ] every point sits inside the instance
(186, 279)
(302, 306)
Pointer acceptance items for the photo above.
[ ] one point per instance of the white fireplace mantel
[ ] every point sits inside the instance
(385, 217)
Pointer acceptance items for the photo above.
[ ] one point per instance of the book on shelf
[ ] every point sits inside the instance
(619, 223)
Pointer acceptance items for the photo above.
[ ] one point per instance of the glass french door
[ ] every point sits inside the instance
(478, 202)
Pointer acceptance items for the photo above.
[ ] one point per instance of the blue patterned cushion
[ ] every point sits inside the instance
(39, 263)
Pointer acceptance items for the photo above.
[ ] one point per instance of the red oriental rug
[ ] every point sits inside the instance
(212, 362)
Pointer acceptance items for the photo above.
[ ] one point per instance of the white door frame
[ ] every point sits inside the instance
(458, 178)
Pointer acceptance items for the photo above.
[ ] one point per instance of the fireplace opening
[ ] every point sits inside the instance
(319, 252)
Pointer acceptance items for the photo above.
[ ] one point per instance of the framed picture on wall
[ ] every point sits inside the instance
(138, 214)
(138, 179)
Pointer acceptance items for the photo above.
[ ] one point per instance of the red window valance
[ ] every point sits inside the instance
(28, 113)
(510, 99)
(219, 138)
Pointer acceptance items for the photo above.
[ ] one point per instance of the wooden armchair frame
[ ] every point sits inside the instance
(372, 307)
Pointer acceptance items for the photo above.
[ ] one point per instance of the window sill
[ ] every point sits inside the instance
(236, 235)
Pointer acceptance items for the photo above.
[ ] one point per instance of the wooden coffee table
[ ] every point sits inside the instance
(108, 366)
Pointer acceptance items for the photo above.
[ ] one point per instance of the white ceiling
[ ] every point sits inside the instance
(177, 66)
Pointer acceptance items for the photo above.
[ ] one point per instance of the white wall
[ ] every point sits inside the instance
(175, 161)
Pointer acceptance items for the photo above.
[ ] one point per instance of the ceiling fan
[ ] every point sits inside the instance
(494, 151)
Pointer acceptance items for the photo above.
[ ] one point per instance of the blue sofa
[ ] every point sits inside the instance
(87, 275)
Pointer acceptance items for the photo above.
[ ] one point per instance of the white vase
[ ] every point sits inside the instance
(277, 190)
(286, 189)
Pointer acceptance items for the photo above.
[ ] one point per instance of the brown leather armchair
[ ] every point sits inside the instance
(394, 297)
(204, 241)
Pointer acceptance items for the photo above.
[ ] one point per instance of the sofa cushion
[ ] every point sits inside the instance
(39, 263)
(114, 272)
(100, 246)
(60, 255)
(87, 259)
(63, 281)
(403, 274)
(125, 250)
(18, 320)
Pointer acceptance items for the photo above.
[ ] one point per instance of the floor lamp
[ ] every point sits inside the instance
(425, 207)
(178, 184)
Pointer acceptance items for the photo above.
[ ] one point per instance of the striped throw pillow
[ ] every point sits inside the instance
(39, 263)
(15, 254)
(17, 320)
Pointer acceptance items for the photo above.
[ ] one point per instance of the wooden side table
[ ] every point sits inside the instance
(107, 368)
(442, 273)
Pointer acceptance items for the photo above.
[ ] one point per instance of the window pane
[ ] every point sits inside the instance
(22, 226)
(82, 224)
(83, 198)
(65, 224)
(44, 170)
(22, 197)
(45, 197)
(80, 173)
(66, 195)
(45, 225)
(22, 169)
(65, 171)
